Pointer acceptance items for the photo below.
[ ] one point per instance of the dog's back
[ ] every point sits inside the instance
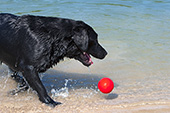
(6, 18)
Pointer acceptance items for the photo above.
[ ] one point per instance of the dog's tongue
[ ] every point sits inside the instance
(89, 58)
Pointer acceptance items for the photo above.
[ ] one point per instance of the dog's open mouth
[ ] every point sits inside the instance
(85, 59)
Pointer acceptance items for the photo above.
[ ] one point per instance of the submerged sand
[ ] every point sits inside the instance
(82, 100)
(76, 102)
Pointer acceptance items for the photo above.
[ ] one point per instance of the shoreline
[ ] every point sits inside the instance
(77, 107)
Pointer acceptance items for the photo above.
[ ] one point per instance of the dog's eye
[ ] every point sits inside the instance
(78, 29)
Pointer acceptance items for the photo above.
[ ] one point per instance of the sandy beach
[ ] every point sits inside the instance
(34, 106)
(76, 102)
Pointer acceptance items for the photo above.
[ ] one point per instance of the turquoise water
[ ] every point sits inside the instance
(136, 34)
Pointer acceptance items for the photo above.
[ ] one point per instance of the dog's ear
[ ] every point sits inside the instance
(80, 38)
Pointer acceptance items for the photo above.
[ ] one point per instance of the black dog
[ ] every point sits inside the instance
(32, 44)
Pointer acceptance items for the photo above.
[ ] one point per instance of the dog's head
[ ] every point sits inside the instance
(84, 44)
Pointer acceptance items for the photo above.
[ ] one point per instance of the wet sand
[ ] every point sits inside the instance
(27, 102)
(83, 100)
(69, 106)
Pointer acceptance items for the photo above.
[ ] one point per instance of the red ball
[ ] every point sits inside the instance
(106, 85)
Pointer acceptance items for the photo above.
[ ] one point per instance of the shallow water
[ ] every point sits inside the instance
(136, 34)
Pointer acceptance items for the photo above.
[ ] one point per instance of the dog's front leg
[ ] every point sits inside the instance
(32, 78)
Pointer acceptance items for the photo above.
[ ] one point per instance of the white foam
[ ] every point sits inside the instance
(63, 92)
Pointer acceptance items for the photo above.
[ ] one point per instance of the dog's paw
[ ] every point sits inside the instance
(54, 104)
(19, 89)
(49, 101)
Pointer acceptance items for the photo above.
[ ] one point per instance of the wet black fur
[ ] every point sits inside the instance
(32, 44)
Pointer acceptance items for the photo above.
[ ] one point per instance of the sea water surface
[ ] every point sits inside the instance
(136, 34)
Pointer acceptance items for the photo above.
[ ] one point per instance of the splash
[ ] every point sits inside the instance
(63, 92)
(5, 82)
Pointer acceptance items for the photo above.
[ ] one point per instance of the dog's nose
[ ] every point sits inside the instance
(105, 53)
(102, 53)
